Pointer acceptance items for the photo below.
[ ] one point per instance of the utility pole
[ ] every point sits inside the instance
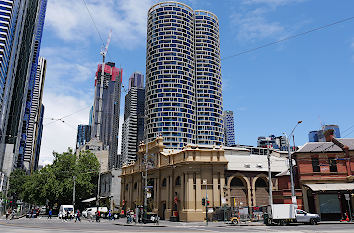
(205, 181)
(98, 187)
(270, 184)
(293, 196)
(74, 179)
(145, 180)
(270, 179)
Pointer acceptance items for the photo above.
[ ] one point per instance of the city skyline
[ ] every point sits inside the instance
(246, 79)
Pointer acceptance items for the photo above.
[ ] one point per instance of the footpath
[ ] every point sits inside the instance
(162, 223)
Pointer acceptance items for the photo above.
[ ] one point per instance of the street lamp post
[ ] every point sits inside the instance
(293, 196)
(145, 180)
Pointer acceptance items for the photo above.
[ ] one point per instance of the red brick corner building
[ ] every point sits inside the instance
(325, 173)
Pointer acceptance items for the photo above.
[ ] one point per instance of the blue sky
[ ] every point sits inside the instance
(309, 78)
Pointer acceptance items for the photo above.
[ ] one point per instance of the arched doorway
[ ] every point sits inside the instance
(238, 192)
(261, 192)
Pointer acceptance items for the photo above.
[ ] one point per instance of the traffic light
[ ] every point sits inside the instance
(208, 203)
(203, 201)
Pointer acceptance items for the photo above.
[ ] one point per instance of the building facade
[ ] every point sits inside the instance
(229, 127)
(318, 135)
(183, 76)
(179, 179)
(83, 135)
(35, 118)
(326, 175)
(12, 20)
(24, 78)
(133, 126)
(109, 125)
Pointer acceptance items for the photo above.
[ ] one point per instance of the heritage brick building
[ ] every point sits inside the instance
(179, 179)
(325, 174)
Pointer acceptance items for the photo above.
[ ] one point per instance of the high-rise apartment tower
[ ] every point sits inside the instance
(32, 14)
(229, 126)
(133, 126)
(83, 135)
(36, 111)
(183, 76)
(110, 110)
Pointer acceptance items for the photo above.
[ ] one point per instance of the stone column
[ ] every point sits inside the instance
(222, 185)
(198, 190)
(216, 191)
(182, 191)
(190, 193)
(305, 198)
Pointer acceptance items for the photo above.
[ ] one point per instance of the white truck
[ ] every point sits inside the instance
(283, 214)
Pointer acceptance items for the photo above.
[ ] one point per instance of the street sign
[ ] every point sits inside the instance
(347, 197)
(223, 200)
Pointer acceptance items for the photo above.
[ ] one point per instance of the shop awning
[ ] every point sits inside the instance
(90, 199)
(331, 187)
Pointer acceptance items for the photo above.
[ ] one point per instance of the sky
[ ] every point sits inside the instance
(309, 78)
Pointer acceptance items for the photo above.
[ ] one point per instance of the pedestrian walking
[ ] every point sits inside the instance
(110, 215)
(77, 216)
(98, 215)
(50, 214)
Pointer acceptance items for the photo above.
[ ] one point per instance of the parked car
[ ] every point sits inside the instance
(66, 210)
(151, 218)
(43, 210)
(91, 211)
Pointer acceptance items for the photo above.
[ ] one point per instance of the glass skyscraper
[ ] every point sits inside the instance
(183, 76)
(24, 77)
(109, 125)
(83, 135)
(229, 126)
(133, 126)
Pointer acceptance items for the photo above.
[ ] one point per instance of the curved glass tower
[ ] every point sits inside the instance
(210, 126)
(183, 80)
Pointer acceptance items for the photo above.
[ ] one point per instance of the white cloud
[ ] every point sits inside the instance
(252, 21)
(254, 25)
(70, 20)
(271, 2)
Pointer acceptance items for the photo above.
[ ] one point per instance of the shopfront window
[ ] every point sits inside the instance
(315, 165)
(332, 164)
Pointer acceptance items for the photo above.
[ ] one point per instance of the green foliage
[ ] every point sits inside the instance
(54, 183)
(18, 177)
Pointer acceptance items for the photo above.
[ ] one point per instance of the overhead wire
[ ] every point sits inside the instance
(61, 118)
(96, 28)
(289, 38)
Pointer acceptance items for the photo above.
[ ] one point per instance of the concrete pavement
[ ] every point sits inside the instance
(49, 225)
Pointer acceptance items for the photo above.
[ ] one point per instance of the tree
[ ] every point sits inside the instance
(17, 178)
(54, 183)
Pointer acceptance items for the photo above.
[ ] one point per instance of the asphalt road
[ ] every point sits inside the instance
(45, 225)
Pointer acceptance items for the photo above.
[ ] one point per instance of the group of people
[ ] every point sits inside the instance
(68, 216)
(10, 214)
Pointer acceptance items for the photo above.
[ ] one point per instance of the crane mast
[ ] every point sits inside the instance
(100, 107)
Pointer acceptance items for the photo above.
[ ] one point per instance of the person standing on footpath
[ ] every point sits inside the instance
(50, 214)
(77, 215)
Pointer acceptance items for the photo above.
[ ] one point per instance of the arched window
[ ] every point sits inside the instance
(164, 182)
(135, 185)
(178, 180)
(126, 187)
(237, 182)
(261, 183)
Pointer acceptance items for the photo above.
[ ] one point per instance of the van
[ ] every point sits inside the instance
(65, 210)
